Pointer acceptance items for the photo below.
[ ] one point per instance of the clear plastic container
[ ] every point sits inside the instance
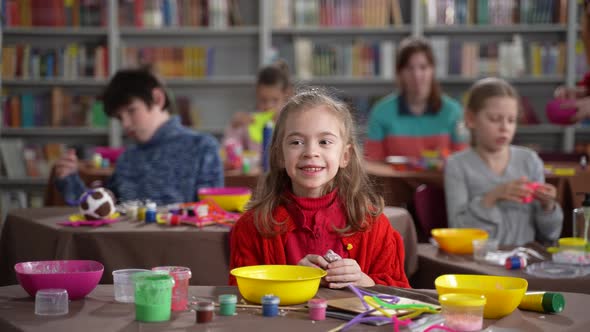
(51, 302)
(124, 286)
(181, 277)
(463, 312)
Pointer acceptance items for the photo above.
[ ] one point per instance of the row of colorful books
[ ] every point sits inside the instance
(337, 13)
(506, 59)
(70, 61)
(54, 13)
(172, 62)
(179, 13)
(54, 108)
(352, 59)
(495, 12)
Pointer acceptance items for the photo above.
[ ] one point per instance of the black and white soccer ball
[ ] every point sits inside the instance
(97, 203)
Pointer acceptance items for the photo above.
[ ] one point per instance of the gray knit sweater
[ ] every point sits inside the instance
(468, 179)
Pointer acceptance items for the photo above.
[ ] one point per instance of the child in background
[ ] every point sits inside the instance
(489, 186)
(316, 197)
(168, 164)
(273, 88)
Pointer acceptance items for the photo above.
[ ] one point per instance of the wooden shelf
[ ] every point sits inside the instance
(55, 32)
(44, 82)
(339, 80)
(516, 80)
(494, 29)
(342, 31)
(190, 32)
(54, 131)
(23, 182)
(211, 81)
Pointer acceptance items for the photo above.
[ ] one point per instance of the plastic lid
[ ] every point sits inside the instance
(151, 205)
(153, 279)
(205, 306)
(572, 242)
(228, 298)
(317, 303)
(462, 300)
(553, 302)
(270, 299)
(178, 272)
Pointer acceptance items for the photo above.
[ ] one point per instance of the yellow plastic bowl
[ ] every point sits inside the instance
(458, 240)
(293, 284)
(503, 294)
(228, 198)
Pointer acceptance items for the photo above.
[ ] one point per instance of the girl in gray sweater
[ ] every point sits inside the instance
(497, 186)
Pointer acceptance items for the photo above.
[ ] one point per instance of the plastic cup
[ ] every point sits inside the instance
(153, 293)
(181, 277)
(124, 285)
(481, 247)
(463, 312)
(51, 302)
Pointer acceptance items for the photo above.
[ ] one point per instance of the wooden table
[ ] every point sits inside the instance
(433, 262)
(33, 234)
(99, 312)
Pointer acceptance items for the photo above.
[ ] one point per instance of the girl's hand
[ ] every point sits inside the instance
(345, 272)
(314, 261)
(513, 191)
(563, 92)
(546, 194)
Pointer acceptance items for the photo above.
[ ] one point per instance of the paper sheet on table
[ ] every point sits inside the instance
(354, 305)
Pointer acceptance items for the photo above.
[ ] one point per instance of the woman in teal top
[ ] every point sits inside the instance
(419, 118)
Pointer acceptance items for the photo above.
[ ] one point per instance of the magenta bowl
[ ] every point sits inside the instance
(78, 277)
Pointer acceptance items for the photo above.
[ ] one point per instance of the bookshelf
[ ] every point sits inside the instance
(268, 29)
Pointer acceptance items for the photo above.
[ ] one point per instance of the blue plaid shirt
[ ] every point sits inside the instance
(169, 168)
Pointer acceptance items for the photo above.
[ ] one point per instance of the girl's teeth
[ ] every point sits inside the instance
(311, 169)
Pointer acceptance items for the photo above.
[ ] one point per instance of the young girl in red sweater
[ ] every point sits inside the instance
(316, 197)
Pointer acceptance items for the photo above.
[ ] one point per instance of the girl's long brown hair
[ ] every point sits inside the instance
(354, 190)
(414, 45)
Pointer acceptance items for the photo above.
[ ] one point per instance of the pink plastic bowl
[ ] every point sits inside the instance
(557, 114)
(78, 277)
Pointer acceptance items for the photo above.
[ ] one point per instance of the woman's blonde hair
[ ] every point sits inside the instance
(354, 190)
(484, 89)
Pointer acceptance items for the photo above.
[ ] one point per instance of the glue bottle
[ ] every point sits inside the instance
(266, 138)
(545, 302)
(150, 212)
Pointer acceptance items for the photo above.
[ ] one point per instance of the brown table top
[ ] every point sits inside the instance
(33, 234)
(433, 262)
(99, 312)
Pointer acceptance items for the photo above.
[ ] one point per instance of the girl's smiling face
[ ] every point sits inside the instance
(313, 149)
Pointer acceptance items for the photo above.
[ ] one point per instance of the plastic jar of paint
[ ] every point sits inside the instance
(227, 304)
(515, 263)
(150, 212)
(141, 209)
(152, 296)
(181, 277)
(463, 312)
(270, 305)
(317, 309)
(205, 311)
(131, 209)
(545, 302)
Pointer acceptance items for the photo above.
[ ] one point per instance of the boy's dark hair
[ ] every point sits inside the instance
(275, 74)
(128, 84)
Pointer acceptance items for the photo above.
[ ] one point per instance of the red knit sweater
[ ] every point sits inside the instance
(379, 251)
